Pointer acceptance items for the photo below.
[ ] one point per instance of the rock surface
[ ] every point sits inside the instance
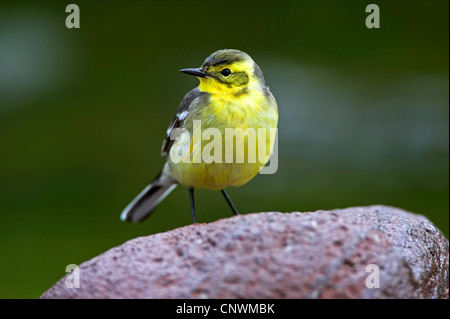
(323, 254)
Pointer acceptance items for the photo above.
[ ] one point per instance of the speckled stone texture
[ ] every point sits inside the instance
(323, 254)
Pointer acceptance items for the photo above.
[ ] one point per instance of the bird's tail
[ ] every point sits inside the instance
(146, 202)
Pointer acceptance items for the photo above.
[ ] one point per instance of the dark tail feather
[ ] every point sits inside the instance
(146, 202)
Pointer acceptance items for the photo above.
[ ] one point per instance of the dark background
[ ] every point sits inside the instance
(363, 116)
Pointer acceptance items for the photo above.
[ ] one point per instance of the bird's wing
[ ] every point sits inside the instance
(185, 107)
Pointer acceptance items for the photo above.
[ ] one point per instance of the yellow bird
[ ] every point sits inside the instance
(229, 108)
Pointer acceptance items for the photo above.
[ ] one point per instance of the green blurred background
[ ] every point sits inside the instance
(363, 116)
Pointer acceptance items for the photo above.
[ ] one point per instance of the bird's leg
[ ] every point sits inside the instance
(229, 202)
(191, 195)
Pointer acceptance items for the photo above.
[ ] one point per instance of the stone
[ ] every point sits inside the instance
(359, 252)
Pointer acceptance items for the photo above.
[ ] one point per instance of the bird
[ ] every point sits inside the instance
(232, 95)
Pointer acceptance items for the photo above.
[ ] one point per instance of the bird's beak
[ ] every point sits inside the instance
(197, 72)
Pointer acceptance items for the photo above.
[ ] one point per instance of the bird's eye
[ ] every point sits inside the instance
(225, 72)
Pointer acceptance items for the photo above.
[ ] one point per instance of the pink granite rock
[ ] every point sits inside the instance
(323, 254)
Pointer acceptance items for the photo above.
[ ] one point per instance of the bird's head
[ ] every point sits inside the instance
(228, 72)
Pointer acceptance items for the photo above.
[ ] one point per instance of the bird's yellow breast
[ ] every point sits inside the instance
(242, 113)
